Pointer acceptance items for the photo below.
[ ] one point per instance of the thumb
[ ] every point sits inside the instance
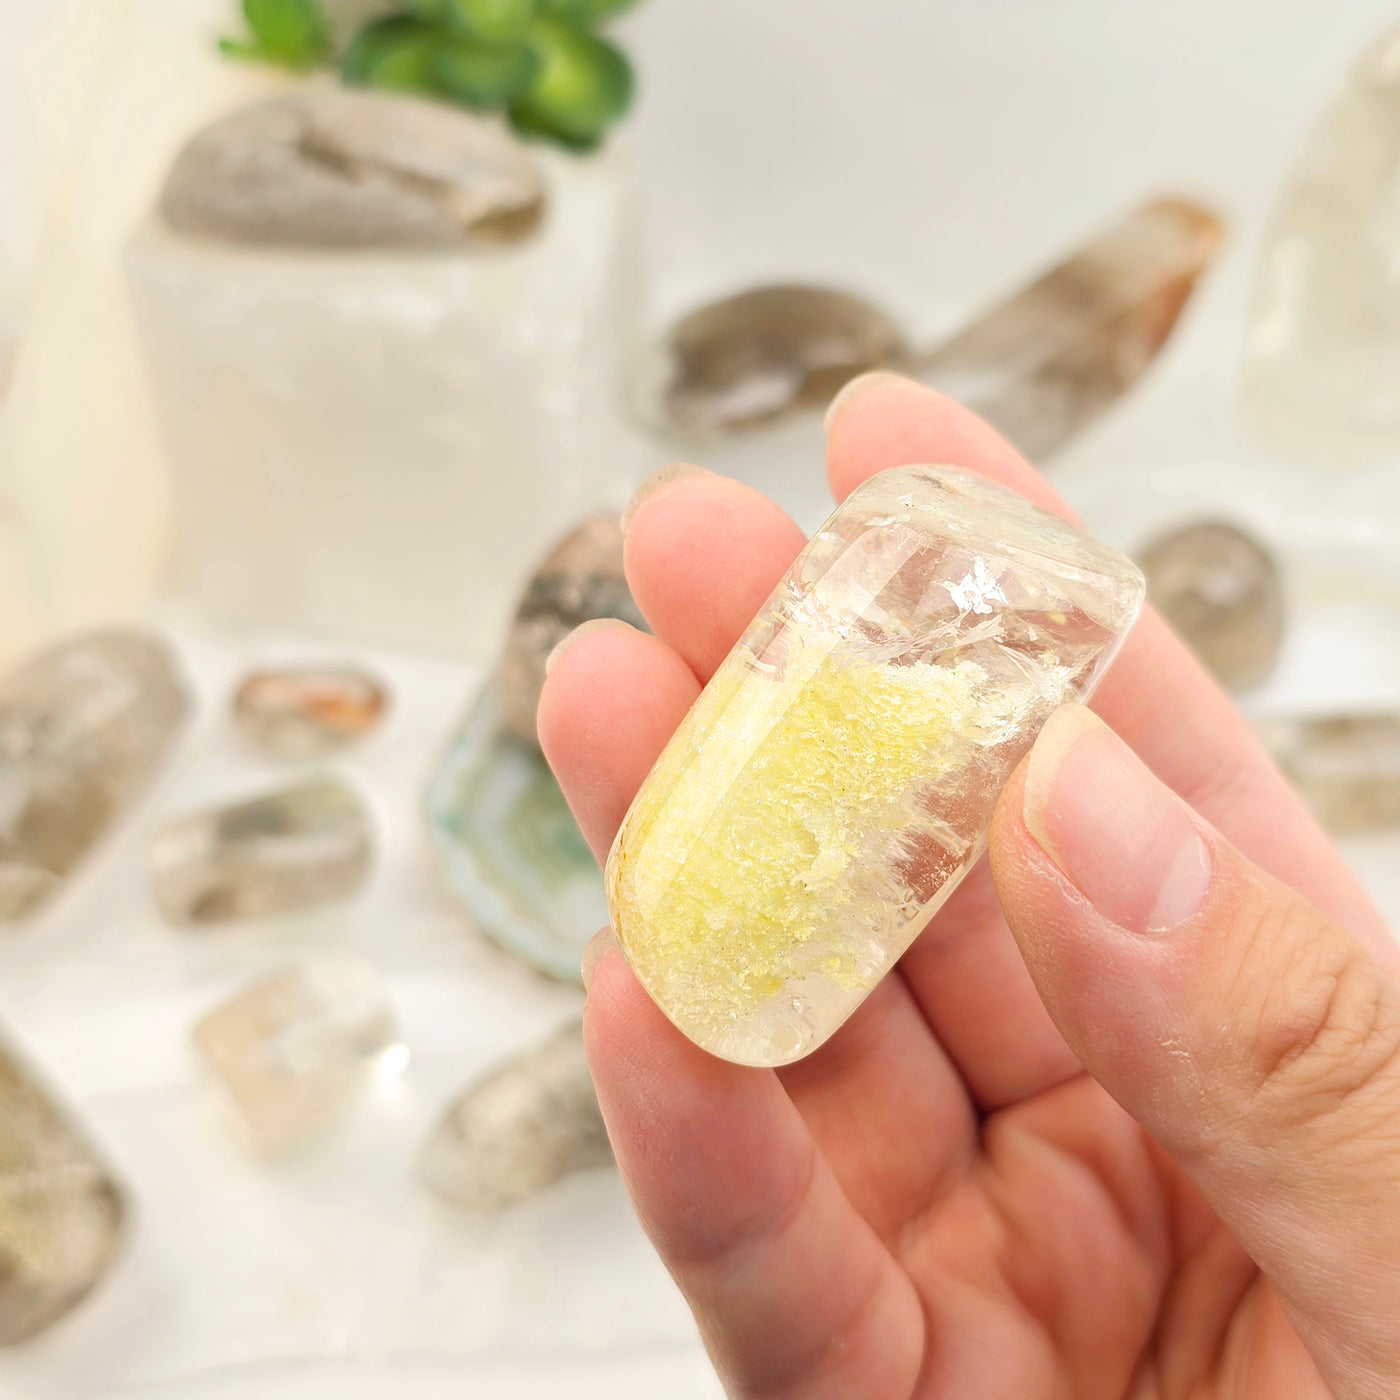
(1258, 1042)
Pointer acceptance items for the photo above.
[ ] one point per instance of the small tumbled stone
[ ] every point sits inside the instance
(62, 1215)
(330, 167)
(294, 1047)
(294, 849)
(84, 728)
(1220, 589)
(581, 579)
(307, 711)
(835, 779)
(528, 1123)
(1347, 767)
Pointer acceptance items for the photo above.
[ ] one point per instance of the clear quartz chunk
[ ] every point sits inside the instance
(307, 711)
(1221, 590)
(293, 849)
(835, 779)
(294, 1047)
(1347, 767)
(328, 167)
(84, 727)
(62, 1215)
(1320, 380)
(521, 1128)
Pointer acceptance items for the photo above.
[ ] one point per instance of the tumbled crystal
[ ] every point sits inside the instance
(582, 579)
(294, 1047)
(330, 167)
(754, 356)
(835, 779)
(528, 1123)
(293, 849)
(83, 729)
(1322, 353)
(1221, 591)
(1346, 766)
(62, 1215)
(1045, 362)
(307, 711)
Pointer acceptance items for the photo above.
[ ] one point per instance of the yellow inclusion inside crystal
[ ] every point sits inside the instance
(734, 873)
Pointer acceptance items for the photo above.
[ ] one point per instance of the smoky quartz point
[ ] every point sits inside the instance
(528, 1123)
(84, 728)
(294, 849)
(1220, 589)
(62, 1215)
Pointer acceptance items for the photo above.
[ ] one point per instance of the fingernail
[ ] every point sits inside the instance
(593, 954)
(1124, 839)
(594, 624)
(852, 388)
(654, 483)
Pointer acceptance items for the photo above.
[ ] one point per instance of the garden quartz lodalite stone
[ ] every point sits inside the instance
(836, 778)
(294, 712)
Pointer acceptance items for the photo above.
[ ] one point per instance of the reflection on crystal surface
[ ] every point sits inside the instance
(521, 1128)
(328, 167)
(751, 357)
(83, 729)
(1044, 363)
(836, 777)
(295, 849)
(1346, 766)
(61, 1213)
(1321, 371)
(307, 711)
(1221, 591)
(293, 1047)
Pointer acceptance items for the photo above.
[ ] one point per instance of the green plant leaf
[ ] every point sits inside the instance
(243, 51)
(499, 21)
(482, 75)
(293, 32)
(584, 84)
(584, 13)
(395, 53)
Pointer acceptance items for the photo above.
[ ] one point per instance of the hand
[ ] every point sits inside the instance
(1052, 1155)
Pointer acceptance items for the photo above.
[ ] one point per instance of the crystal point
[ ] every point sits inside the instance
(84, 727)
(61, 1213)
(293, 1047)
(294, 849)
(1045, 362)
(528, 1123)
(1347, 767)
(307, 711)
(835, 779)
(333, 168)
(1220, 589)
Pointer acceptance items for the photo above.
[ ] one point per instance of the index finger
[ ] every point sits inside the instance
(1157, 696)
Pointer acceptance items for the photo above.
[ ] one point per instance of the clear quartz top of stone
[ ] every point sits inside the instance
(836, 777)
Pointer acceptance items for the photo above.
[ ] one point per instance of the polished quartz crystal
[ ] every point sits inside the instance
(1321, 366)
(525, 1125)
(335, 168)
(294, 849)
(307, 711)
(1347, 767)
(835, 780)
(294, 1047)
(84, 727)
(62, 1215)
(1220, 589)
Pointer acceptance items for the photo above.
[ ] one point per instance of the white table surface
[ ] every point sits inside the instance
(931, 155)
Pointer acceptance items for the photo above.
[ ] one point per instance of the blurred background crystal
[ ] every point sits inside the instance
(1220, 589)
(1346, 766)
(292, 1047)
(308, 711)
(293, 849)
(84, 728)
(525, 1125)
(62, 1215)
